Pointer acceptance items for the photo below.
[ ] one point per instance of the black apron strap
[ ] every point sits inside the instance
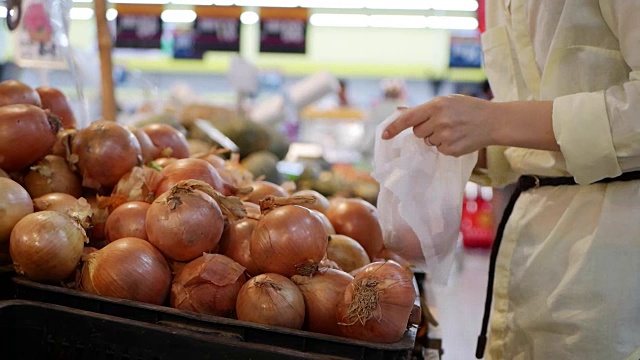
(524, 183)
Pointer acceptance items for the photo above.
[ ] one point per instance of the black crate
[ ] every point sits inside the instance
(33, 330)
(310, 343)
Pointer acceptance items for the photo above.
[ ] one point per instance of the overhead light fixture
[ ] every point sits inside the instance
(83, 1)
(452, 22)
(454, 5)
(112, 14)
(3, 12)
(339, 20)
(178, 16)
(398, 21)
(80, 13)
(398, 4)
(249, 17)
(332, 4)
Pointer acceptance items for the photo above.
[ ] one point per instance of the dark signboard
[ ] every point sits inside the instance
(283, 30)
(138, 26)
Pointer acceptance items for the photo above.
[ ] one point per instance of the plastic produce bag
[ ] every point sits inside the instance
(420, 199)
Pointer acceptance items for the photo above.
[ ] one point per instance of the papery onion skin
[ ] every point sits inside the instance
(184, 223)
(263, 188)
(46, 246)
(208, 285)
(52, 175)
(271, 299)
(321, 292)
(168, 140)
(235, 243)
(58, 103)
(62, 146)
(358, 220)
(15, 203)
(253, 209)
(27, 134)
(105, 152)
(346, 252)
(16, 92)
(127, 220)
(190, 168)
(321, 204)
(128, 268)
(288, 240)
(377, 304)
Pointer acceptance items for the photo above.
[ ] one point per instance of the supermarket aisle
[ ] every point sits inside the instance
(460, 305)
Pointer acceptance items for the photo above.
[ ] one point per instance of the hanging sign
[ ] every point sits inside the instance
(217, 28)
(466, 52)
(138, 26)
(36, 35)
(283, 30)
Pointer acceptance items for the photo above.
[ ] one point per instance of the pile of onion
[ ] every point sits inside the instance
(288, 240)
(139, 184)
(346, 252)
(358, 220)
(168, 140)
(46, 246)
(190, 169)
(271, 299)
(377, 304)
(52, 174)
(321, 293)
(208, 285)
(128, 268)
(15, 204)
(127, 220)
(235, 243)
(262, 189)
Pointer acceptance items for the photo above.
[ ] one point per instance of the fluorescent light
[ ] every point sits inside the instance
(249, 17)
(3, 12)
(399, 4)
(339, 20)
(112, 14)
(332, 4)
(455, 5)
(82, 1)
(80, 13)
(178, 16)
(398, 21)
(156, 2)
(267, 3)
(452, 22)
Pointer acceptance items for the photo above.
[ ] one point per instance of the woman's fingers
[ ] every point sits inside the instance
(408, 118)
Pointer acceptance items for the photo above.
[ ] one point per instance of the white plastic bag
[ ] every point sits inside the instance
(420, 199)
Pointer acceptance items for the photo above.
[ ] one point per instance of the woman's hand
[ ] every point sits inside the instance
(458, 125)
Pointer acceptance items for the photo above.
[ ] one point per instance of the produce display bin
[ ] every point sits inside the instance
(312, 344)
(33, 330)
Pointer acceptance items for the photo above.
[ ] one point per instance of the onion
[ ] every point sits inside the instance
(271, 299)
(57, 102)
(99, 215)
(328, 226)
(387, 254)
(27, 134)
(15, 203)
(358, 220)
(190, 169)
(288, 240)
(208, 285)
(186, 221)
(346, 252)
(62, 145)
(376, 305)
(16, 92)
(235, 243)
(263, 188)
(50, 175)
(127, 220)
(163, 162)
(148, 150)
(253, 210)
(105, 151)
(168, 140)
(128, 268)
(3, 174)
(321, 204)
(321, 292)
(46, 246)
(139, 184)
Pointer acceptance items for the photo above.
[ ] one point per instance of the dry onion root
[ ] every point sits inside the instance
(377, 304)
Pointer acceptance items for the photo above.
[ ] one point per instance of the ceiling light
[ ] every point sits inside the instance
(454, 5)
(398, 21)
(80, 13)
(3, 12)
(249, 17)
(452, 22)
(398, 5)
(112, 14)
(339, 20)
(178, 16)
(333, 4)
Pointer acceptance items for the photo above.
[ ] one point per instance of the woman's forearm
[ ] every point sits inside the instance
(525, 124)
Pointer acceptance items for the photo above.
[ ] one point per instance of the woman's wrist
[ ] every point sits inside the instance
(526, 124)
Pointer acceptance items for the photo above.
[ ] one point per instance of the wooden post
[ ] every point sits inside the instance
(109, 111)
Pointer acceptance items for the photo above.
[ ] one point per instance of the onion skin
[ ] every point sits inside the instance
(253, 209)
(128, 268)
(322, 203)
(58, 103)
(288, 240)
(105, 151)
(235, 243)
(271, 299)
(263, 188)
(321, 292)
(347, 253)
(358, 220)
(208, 285)
(168, 140)
(328, 226)
(46, 246)
(15, 203)
(127, 220)
(16, 92)
(148, 150)
(60, 202)
(52, 175)
(184, 223)
(377, 304)
(27, 134)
